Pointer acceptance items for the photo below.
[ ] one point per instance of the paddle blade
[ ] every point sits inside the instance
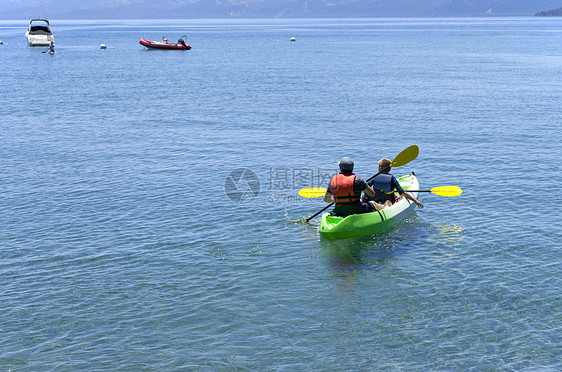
(446, 191)
(406, 156)
(312, 192)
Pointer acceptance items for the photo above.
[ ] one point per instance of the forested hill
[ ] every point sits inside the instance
(155, 9)
(550, 13)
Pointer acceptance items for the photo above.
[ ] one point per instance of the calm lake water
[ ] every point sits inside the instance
(121, 250)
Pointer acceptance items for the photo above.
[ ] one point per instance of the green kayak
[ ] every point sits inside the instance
(334, 227)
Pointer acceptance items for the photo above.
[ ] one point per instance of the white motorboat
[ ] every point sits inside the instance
(39, 33)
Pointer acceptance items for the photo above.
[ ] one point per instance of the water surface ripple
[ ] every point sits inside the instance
(119, 249)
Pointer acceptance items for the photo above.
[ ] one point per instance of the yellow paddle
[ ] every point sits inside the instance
(312, 192)
(447, 191)
(316, 192)
(403, 158)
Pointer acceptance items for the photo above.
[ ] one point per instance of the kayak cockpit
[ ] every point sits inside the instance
(332, 221)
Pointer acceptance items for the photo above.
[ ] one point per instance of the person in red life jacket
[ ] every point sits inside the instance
(385, 185)
(345, 191)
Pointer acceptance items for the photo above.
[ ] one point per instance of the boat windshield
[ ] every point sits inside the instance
(40, 29)
(39, 25)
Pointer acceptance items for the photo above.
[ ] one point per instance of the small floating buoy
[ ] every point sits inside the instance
(1, 42)
(293, 39)
(103, 46)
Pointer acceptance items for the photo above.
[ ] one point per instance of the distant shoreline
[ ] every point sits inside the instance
(550, 13)
(276, 18)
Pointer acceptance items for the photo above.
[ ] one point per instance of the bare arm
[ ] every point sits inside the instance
(369, 191)
(328, 197)
(411, 197)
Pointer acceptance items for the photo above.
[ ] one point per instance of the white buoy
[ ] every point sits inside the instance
(1, 42)
(103, 46)
(293, 39)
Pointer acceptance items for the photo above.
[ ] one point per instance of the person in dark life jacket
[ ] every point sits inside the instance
(385, 185)
(345, 191)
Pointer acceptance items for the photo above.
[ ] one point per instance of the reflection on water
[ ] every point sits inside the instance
(450, 233)
(345, 256)
(350, 256)
(447, 240)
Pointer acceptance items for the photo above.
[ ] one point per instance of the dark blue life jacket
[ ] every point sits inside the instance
(382, 186)
(382, 182)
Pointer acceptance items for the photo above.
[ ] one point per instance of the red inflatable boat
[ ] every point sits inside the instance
(180, 45)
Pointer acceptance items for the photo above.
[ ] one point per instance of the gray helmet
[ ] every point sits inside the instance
(346, 164)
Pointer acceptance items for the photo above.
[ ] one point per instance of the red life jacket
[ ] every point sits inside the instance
(341, 187)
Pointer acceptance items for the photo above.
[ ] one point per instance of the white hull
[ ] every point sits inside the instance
(39, 40)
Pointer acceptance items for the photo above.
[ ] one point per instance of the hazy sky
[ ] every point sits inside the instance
(24, 9)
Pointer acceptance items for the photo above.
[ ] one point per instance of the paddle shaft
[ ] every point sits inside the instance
(419, 190)
(382, 171)
(329, 205)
